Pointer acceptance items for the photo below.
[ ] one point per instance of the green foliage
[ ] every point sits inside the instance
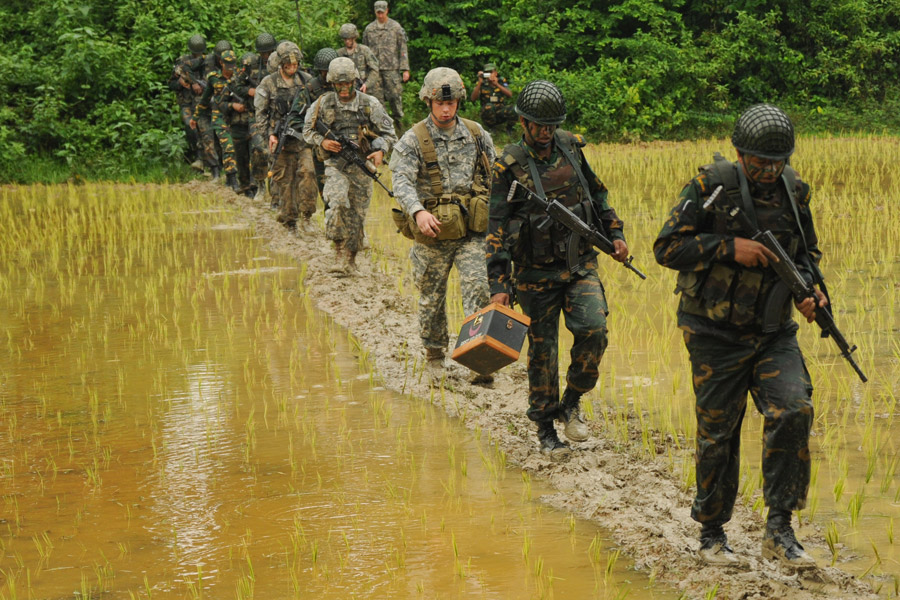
(85, 82)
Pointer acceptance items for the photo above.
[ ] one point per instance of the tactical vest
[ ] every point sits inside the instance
(344, 122)
(316, 88)
(541, 240)
(730, 292)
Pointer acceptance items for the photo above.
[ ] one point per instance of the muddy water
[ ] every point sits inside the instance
(177, 421)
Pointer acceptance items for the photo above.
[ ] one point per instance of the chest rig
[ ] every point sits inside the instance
(542, 241)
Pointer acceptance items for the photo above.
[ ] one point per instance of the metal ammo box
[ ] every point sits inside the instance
(491, 338)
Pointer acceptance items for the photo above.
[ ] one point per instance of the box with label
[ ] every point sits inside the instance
(491, 338)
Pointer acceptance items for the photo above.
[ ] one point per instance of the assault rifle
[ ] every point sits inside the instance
(558, 212)
(789, 274)
(284, 130)
(352, 153)
(185, 70)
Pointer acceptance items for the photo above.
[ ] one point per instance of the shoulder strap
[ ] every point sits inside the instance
(735, 183)
(426, 144)
(476, 130)
(565, 142)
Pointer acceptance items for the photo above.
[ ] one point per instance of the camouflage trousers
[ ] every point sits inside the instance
(772, 369)
(193, 140)
(494, 115)
(207, 136)
(390, 92)
(320, 177)
(223, 134)
(294, 182)
(347, 194)
(583, 305)
(431, 270)
(259, 157)
(240, 135)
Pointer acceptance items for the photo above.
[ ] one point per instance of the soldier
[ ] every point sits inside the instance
(362, 57)
(212, 151)
(187, 83)
(387, 39)
(259, 145)
(239, 119)
(294, 182)
(550, 162)
(441, 173)
(360, 119)
(215, 105)
(317, 86)
(725, 281)
(493, 92)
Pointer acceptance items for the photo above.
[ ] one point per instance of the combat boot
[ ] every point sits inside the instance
(479, 379)
(780, 543)
(231, 181)
(350, 262)
(570, 416)
(339, 263)
(260, 191)
(714, 548)
(214, 172)
(197, 165)
(550, 442)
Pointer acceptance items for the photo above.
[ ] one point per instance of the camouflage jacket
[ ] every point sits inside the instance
(217, 96)
(274, 98)
(190, 69)
(457, 155)
(490, 96)
(509, 238)
(716, 291)
(348, 119)
(388, 42)
(366, 63)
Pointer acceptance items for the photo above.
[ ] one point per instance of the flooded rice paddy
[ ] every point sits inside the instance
(179, 422)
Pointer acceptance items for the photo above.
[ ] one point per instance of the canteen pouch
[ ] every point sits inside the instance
(450, 214)
(402, 222)
(478, 214)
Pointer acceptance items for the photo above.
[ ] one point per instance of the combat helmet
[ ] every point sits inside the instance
(248, 58)
(323, 58)
(541, 102)
(348, 30)
(197, 44)
(342, 70)
(265, 42)
(222, 46)
(443, 83)
(765, 131)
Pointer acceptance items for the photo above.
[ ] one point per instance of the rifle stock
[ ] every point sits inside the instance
(352, 153)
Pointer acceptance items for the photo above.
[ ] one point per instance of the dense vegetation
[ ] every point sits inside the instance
(84, 83)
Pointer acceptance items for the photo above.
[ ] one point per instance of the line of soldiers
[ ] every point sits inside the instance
(461, 205)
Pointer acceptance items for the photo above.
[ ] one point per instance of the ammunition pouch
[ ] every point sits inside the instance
(403, 223)
(723, 293)
(452, 212)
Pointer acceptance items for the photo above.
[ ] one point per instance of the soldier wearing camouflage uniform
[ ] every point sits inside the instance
(361, 119)
(387, 39)
(293, 173)
(317, 86)
(240, 118)
(259, 145)
(187, 83)
(440, 170)
(526, 256)
(209, 141)
(216, 104)
(725, 281)
(493, 92)
(362, 57)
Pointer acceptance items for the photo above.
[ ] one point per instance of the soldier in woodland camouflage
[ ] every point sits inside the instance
(317, 86)
(259, 145)
(294, 182)
(216, 104)
(432, 191)
(240, 118)
(493, 92)
(387, 39)
(186, 81)
(725, 281)
(526, 257)
(359, 118)
(362, 57)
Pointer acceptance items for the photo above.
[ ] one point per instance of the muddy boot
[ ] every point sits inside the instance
(214, 173)
(306, 225)
(197, 165)
(260, 191)
(231, 181)
(714, 548)
(434, 364)
(365, 241)
(339, 263)
(780, 543)
(550, 442)
(576, 429)
(350, 262)
(479, 379)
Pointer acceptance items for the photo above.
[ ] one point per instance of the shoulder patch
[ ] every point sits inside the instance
(499, 167)
(579, 140)
(508, 159)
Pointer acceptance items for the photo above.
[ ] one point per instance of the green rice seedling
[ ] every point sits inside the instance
(595, 549)
(712, 592)
(854, 507)
(611, 560)
(832, 538)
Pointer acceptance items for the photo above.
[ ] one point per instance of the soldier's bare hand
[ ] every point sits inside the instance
(428, 223)
(751, 253)
(197, 89)
(808, 307)
(362, 88)
(620, 250)
(193, 124)
(331, 145)
(273, 143)
(376, 157)
(251, 92)
(501, 298)
(405, 76)
(238, 107)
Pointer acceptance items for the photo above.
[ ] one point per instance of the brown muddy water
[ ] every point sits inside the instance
(179, 422)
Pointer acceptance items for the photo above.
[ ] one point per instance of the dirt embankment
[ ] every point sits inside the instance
(639, 502)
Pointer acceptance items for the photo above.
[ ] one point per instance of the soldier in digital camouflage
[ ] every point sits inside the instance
(441, 177)
(387, 39)
(216, 103)
(187, 82)
(360, 119)
(363, 57)
(526, 259)
(737, 345)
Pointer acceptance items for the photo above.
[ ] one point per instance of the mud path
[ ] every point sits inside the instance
(640, 502)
